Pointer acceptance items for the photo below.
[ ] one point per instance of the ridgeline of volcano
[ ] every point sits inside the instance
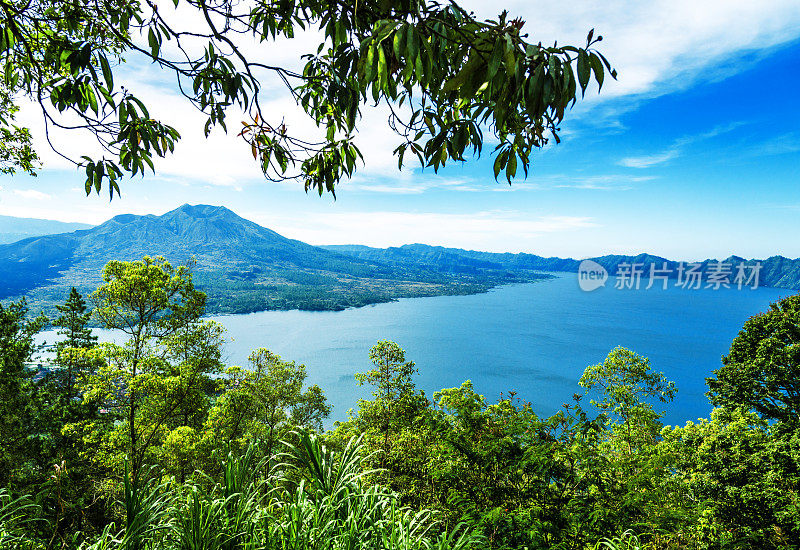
(241, 265)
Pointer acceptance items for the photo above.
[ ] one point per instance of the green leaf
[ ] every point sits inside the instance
(511, 167)
(597, 66)
(495, 59)
(153, 41)
(90, 95)
(383, 71)
(583, 70)
(498, 164)
(510, 58)
(371, 68)
(398, 44)
(107, 74)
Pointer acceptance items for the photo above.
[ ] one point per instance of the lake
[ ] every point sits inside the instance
(535, 339)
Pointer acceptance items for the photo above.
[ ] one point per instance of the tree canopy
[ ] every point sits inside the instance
(445, 76)
(761, 371)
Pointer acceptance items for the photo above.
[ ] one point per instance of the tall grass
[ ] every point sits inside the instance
(626, 541)
(308, 498)
(15, 516)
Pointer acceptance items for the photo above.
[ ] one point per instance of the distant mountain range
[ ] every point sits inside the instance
(245, 267)
(776, 271)
(241, 265)
(13, 229)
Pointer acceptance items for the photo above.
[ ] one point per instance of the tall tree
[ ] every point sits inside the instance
(73, 326)
(762, 370)
(17, 349)
(446, 77)
(394, 390)
(628, 387)
(265, 402)
(148, 300)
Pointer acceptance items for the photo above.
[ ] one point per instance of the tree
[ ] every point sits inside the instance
(741, 480)
(629, 387)
(73, 322)
(396, 399)
(445, 76)
(762, 370)
(148, 300)
(16, 150)
(521, 480)
(392, 375)
(179, 394)
(17, 348)
(58, 473)
(265, 402)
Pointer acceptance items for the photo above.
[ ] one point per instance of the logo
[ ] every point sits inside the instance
(591, 275)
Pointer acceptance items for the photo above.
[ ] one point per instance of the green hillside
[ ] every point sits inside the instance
(776, 271)
(242, 266)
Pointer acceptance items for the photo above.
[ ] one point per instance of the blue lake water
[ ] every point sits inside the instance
(535, 339)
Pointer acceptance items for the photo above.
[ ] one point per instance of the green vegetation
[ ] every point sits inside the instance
(156, 443)
(244, 267)
(446, 77)
(775, 271)
(240, 265)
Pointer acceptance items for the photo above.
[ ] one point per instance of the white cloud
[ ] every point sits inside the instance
(479, 230)
(676, 148)
(410, 182)
(647, 161)
(596, 182)
(659, 45)
(32, 194)
(778, 145)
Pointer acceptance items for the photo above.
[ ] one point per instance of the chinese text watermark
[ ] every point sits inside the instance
(684, 275)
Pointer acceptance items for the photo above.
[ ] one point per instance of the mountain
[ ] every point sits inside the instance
(241, 265)
(244, 267)
(14, 229)
(776, 271)
(435, 256)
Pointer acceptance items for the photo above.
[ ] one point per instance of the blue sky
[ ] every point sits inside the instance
(694, 153)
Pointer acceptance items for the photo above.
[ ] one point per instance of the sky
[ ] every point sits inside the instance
(693, 153)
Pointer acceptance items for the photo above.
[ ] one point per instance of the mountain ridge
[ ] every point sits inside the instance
(13, 228)
(245, 267)
(776, 271)
(241, 265)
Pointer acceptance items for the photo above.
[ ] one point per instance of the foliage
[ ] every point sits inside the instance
(627, 384)
(522, 480)
(73, 322)
(266, 401)
(242, 463)
(396, 400)
(149, 301)
(626, 541)
(57, 468)
(17, 411)
(163, 404)
(762, 369)
(743, 477)
(16, 150)
(445, 76)
(15, 513)
(329, 506)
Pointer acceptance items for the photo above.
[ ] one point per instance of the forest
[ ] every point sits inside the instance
(156, 443)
